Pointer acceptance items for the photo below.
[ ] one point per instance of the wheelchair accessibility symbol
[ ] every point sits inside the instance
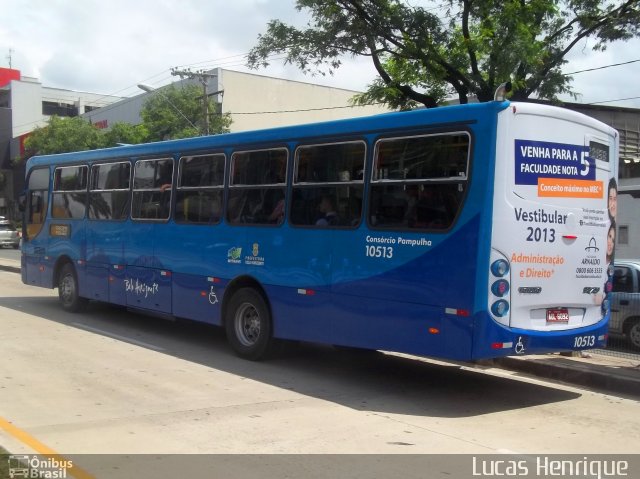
(519, 348)
(213, 298)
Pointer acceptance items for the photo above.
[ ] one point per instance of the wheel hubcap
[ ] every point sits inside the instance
(247, 324)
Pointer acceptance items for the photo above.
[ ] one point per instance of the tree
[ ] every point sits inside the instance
(125, 133)
(462, 47)
(173, 113)
(62, 135)
(161, 121)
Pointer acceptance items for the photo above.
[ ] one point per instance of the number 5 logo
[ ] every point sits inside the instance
(586, 164)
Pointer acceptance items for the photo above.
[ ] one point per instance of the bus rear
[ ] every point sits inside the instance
(553, 232)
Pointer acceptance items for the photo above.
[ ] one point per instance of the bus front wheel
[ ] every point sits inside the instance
(248, 324)
(68, 290)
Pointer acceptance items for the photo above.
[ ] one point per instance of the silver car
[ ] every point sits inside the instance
(8, 234)
(625, 301)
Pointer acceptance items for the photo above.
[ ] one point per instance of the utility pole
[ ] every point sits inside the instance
(9, 56)
(203, 78)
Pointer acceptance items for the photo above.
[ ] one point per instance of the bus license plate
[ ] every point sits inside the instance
(558, 315)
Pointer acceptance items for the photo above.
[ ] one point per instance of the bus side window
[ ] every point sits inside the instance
(69, 192)
(328, 185)
(109, 197)
(200, 187)
(151, 197)
(257, 187)
(419, 182)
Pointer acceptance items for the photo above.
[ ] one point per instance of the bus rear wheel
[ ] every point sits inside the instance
(248, 324)
(68, 291)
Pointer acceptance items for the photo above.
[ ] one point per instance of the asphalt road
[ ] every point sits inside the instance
(109, 381)
(10, 253)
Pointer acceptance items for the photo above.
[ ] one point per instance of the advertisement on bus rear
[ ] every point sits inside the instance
(558, 209)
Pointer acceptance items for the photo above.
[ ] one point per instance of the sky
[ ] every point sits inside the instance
(110, 46)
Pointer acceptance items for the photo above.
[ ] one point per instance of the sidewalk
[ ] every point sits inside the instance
(598, 371)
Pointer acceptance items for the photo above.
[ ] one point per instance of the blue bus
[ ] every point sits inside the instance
(462, 232)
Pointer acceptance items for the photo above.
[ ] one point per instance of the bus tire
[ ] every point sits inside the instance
(68, 289)
(248, 324)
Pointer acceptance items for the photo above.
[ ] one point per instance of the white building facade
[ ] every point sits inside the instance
(26, 104)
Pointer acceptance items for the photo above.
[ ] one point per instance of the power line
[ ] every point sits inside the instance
(602, 67)
(611, 101)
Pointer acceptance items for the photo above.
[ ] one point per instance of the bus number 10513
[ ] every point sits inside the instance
(379, 251)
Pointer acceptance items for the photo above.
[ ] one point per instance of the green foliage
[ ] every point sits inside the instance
(462, 47)
(173, 113)
(125, 133)
(62, 135)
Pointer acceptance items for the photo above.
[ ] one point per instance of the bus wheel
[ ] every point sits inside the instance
(68, 290)
(248, 324)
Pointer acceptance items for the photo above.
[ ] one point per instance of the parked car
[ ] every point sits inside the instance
(9, 236)
(625, 301)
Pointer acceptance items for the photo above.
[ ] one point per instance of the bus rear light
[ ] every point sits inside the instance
(500, 308)
(434, 331)
(499, 268)
(500, 288)
(457, 312)
(501, 345)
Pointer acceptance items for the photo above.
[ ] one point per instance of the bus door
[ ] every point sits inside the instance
(67, 225)
(109, 206)
(148, 282)
(34, 242)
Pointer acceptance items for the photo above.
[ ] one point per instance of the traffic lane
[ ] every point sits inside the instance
(453, 390)
(10, 253)
(110, 381)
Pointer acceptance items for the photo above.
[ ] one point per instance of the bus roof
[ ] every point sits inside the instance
(469, 113)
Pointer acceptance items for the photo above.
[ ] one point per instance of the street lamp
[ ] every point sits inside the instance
(150, 89)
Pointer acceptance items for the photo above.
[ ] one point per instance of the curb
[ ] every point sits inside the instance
(624, 381)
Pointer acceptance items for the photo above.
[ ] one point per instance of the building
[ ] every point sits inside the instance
(26, 104)
(255, 102)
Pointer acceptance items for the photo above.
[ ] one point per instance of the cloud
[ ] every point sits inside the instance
(110, 46)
